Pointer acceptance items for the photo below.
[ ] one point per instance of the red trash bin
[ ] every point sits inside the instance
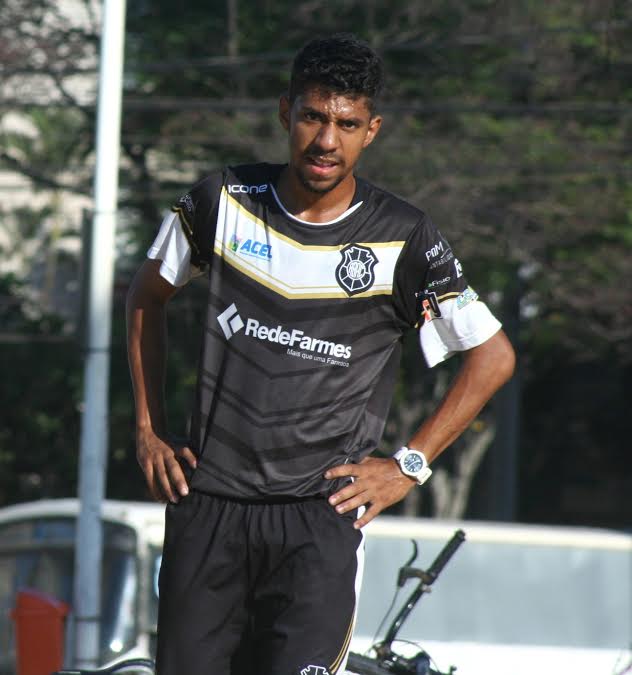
(39, 632)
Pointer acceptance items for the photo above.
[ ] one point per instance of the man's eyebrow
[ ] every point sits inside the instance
(353, 120)
(315, 111)
(323, 115)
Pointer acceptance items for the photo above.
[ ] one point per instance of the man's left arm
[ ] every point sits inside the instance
(379, 483)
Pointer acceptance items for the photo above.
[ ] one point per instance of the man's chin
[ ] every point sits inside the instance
(319, 186)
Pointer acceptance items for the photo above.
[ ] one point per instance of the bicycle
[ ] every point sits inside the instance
(386, 661)
(136, 666)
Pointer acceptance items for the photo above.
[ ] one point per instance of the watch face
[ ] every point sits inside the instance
(413, 462)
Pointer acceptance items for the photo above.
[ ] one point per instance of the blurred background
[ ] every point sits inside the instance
(509, 123)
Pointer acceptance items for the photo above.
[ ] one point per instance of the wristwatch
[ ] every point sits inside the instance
(413, 463)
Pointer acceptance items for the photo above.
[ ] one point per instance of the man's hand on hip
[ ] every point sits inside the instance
(162, 461)
(377, 484)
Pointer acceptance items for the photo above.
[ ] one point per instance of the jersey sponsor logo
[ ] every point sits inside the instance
(230, 322)
(296, 338)
(467, 296)
(251, 247)
(234, 243)
(458, 268)
(354, 273)
(438, 282)
(247, 189)
(314, 670)
(187, 202)
(430, 306)
(312, 349)
(435, 251)
(443, 260)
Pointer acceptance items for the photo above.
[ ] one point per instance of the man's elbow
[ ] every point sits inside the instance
(504, 357)
(134, 299)
(148, 289)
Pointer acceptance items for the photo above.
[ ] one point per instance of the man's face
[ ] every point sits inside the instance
(327, 133)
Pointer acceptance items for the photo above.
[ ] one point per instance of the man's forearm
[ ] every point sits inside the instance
(146, 349)
(484, 370)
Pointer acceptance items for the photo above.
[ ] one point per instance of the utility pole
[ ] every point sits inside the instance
(232, 27)
(94, 421)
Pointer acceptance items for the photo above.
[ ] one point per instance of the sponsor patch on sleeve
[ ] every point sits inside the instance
(428, 305)
(467, 296)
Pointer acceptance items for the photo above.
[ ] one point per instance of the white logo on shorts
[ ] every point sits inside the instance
(314, 670)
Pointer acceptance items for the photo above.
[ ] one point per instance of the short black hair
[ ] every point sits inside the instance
(341, 63)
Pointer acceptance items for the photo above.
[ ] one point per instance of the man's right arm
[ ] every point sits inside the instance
(159, 459)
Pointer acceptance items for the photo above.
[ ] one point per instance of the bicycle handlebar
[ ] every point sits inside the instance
(426, 579)
(445, 554)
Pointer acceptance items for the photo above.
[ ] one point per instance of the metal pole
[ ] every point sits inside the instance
(94, 422)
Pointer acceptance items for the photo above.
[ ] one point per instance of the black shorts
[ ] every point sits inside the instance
(257, 589)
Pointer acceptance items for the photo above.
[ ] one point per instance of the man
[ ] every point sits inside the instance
(314, 276)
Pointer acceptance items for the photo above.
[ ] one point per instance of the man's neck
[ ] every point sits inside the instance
(314, 207)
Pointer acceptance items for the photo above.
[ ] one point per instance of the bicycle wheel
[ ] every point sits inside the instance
(129, 666)
(364, 665)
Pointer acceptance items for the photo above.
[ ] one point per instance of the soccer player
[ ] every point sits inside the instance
(314, 275)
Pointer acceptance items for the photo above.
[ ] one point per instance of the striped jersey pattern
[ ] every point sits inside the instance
(303, 330)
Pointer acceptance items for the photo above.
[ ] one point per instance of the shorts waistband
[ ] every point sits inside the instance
(263, 502)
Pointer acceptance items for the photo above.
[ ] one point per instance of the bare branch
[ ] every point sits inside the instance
(39, 178)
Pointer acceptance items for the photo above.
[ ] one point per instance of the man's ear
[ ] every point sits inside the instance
(374, 126)
(284, 111)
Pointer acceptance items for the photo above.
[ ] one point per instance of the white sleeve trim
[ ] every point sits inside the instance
(172, 248)
(456, 330)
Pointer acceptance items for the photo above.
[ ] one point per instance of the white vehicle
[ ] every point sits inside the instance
(514, 600)
(37, 543)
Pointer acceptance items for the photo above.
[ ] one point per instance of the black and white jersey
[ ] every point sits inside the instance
(304, 324)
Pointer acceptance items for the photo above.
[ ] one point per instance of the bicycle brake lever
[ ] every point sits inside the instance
(402, 576)
(406, 573)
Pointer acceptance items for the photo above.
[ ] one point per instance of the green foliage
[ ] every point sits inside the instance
(39, 391)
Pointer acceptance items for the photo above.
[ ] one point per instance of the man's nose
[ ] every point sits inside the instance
(327, 138)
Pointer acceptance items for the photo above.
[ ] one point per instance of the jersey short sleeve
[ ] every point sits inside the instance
(185, 239)
(432, 294)
(172, 248)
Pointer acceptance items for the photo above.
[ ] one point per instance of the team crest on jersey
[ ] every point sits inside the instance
(355, 271)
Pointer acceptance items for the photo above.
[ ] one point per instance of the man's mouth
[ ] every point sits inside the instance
(322, 166)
